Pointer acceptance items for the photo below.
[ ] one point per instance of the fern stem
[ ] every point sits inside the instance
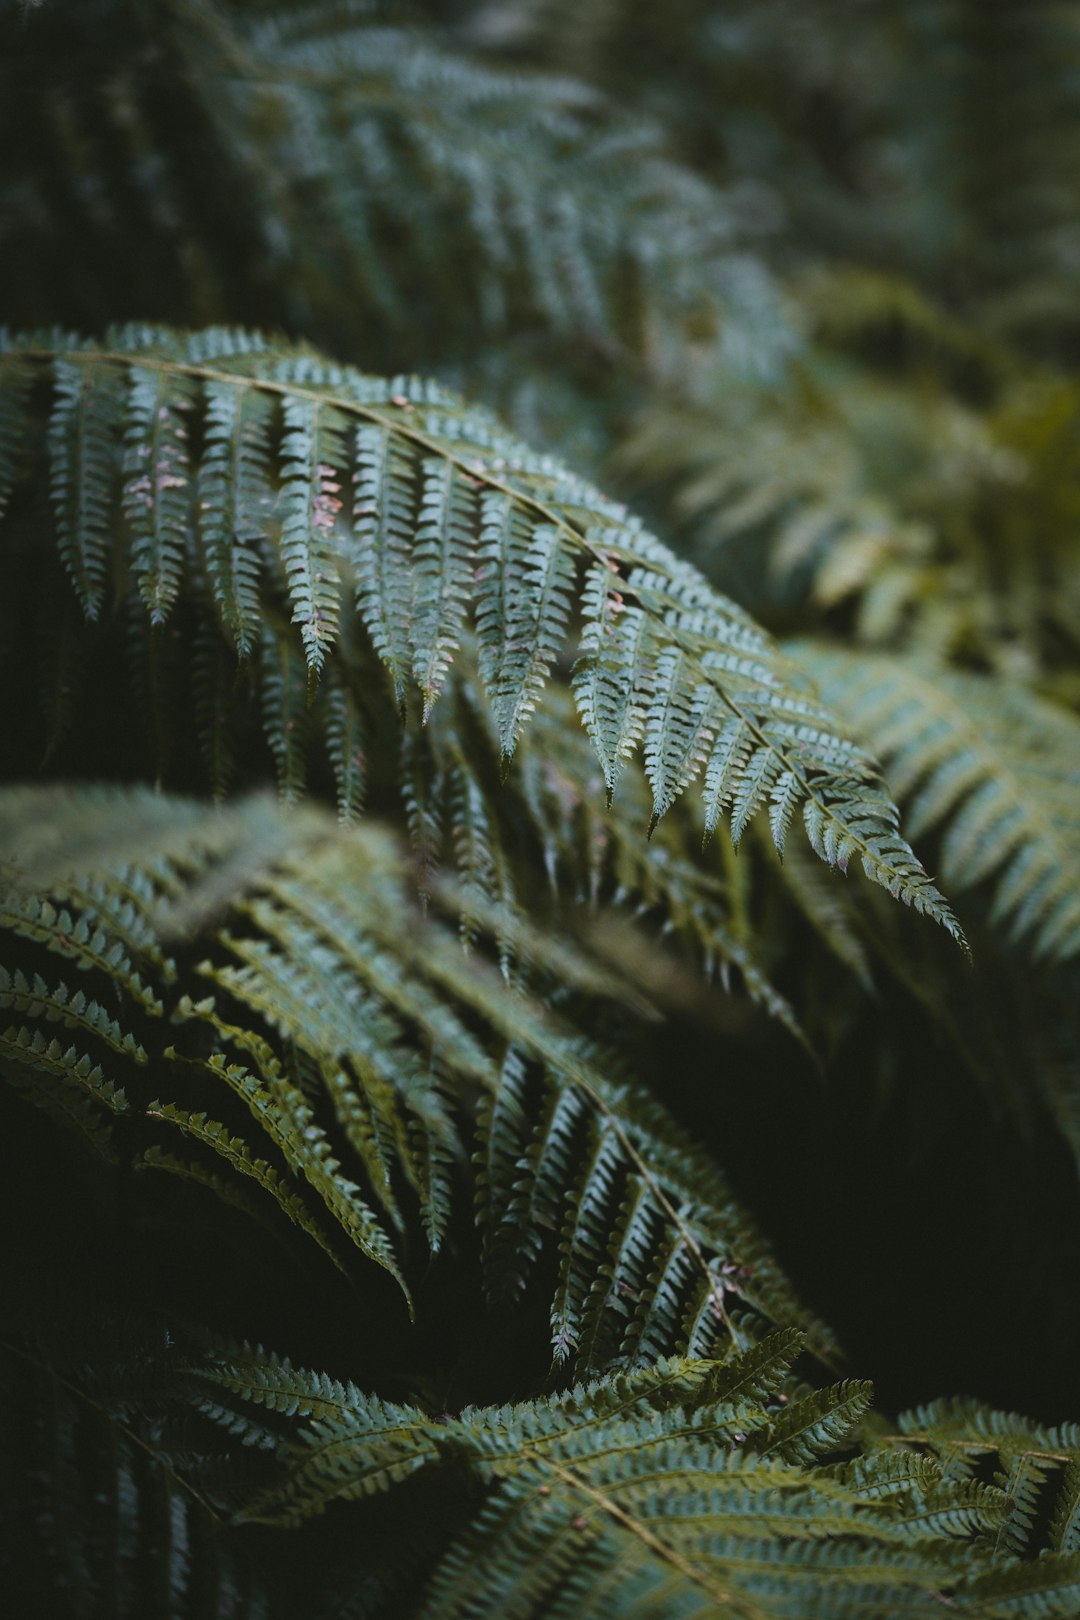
(975, 1445)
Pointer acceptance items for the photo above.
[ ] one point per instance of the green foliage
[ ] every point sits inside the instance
(387, 1057)
(994, 765)
(483, 1094)
(332, 146)
(924, 511)
(1036, 1467)
(663, 1484)
(663, 659)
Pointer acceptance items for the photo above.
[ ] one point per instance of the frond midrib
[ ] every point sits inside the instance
(656, 1545)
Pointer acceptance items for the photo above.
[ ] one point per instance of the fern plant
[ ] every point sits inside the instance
(678, 1485)
(604, 1170)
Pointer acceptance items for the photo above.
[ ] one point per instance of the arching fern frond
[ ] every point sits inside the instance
(993, 767)
(703, 689)
(333, 938)
(636, 1212)
(624, 225)
(350, 1056)
(649, 1491)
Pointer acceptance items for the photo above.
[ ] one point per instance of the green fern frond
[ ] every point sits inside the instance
(359, 1052)
(145, 847)
(443, 571)
(519, 636)
(238, 1156)
(612, 672)
(645, 1264)
(384, 505)
(818, 1423)
(709, 693)
(640, 1489)
(280, 1110)
(235, 498)
(312, 451)
(756, 1374)
(990, 765)
(158, 477)
(62, 1081)
(354, 1445)
(1038, 1468)
(81, 940)
(413, 979)
(1046, 1589)
(85, 418)
(625, 225)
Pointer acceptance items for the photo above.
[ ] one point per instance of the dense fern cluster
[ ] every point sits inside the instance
(473, 1150)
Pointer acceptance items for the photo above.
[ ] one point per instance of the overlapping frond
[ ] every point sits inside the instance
(987, 763)
(678, 1489)
(453, 515)
(625, 225)
(957, 543)
(1037, 1466)
(573, 1155)
(620, 887)
(336, 1058)
(409, 1095)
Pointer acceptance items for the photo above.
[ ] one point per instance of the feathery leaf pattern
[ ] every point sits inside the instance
(453, 515)
(988, 763)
